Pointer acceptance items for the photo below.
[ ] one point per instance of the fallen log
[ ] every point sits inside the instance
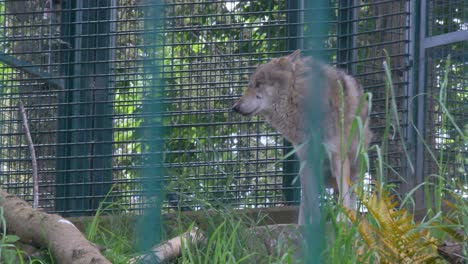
(65, 241)
(170, 249)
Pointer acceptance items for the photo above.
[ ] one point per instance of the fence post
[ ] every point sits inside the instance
(84, 152)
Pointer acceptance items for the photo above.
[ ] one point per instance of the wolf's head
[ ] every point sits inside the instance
(268, 84)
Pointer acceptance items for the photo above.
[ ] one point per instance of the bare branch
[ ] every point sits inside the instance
(32, 151)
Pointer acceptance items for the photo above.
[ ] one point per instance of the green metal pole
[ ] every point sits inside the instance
(149, 226)
(316, 34)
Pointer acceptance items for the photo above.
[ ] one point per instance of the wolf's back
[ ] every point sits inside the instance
(313, 83)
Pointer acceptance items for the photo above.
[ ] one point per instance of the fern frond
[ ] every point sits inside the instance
(392, 233)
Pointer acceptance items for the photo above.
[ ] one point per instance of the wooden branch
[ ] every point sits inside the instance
(452, 252)
(32, 151)
(64, 240)
(170, 249)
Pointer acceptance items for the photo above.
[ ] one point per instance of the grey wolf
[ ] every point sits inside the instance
(280, 90)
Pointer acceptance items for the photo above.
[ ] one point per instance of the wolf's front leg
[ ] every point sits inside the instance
(301, 217)
(341, 172)
(309, 209)
(304, 197)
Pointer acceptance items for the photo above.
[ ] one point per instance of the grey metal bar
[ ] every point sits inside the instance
(444, 39)
(420, 112)
(412, 50)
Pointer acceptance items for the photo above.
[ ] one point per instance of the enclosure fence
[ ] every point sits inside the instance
(78, 66)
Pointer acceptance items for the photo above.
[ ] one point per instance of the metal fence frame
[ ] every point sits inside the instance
(422, 42)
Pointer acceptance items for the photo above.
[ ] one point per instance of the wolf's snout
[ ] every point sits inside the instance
(246, 105)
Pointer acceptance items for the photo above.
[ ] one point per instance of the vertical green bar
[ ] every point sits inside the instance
(149, 226)
(316, 32)
(84, 151)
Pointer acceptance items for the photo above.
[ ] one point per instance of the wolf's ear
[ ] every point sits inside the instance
(295, 55)
(260, 77)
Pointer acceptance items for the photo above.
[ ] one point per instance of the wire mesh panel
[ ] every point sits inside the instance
(28, 64)
(446, 16)
(446, 104)
(441, 89)
(374, 27)
(210, 48)
(78, 67)
(446, 143)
